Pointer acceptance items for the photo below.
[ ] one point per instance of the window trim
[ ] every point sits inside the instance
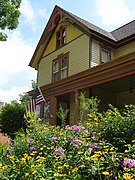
(59, 59)
(109, 53)
(60, 31)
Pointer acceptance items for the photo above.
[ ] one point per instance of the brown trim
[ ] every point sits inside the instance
(102, 69)
(60, 31)
(59, 59)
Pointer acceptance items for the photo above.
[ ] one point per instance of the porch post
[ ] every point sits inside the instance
(77, 93)
(53, 118)
(42, 109)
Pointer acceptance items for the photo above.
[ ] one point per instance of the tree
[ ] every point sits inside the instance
(9, 15)
(12, 119)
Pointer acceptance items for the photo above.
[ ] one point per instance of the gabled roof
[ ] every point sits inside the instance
(114, 37)
(124, 31)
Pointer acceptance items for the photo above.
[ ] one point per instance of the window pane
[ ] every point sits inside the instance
(64, 62)
(55, 77)
(55, 66)
(105, 55)
(58, 39)
(63, 73)
(63, 36)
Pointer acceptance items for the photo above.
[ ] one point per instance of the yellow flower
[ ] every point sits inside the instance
(26, 174)
(133, 140)
(32, 166)
(116, 164)
(127, 176)
(66, 165)
(60, 167)
(4, 167)
(80, 152)
(87, 158)
(75, 169)
(105, 173)
(133, 155)
(126, 169)
(89, 115)
(39, 119)
(41, 149)
(34, 172)
(0, 165)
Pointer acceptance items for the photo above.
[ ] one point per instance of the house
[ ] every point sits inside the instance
(74, 56)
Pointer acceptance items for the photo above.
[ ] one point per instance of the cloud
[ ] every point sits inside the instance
(113, 12)
(31, 14)
(15, 57)
(12, 93)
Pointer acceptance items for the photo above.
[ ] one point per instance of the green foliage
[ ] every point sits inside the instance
(88, 105)
(34, 84)
(118, 127)
(62, 114)
(50, 152)
(12, 118)
(9, 14)
(25, 98)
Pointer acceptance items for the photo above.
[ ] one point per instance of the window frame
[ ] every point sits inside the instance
(102, 48)
(60, 69)
(60, 39)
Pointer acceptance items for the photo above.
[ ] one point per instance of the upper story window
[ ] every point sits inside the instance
(61, 37)
(105, 55)
(60, 68)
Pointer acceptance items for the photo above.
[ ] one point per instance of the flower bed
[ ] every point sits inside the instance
(74, 152)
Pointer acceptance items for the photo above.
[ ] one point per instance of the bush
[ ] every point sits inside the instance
(12, 119)
(118, 127)
(74, 152)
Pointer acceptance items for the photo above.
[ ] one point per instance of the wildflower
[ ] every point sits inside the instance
(59, 151)
(4, 167)
(54, 137)
(87, 158)
(94, 146)
(32, 148)
(116, 164)
(106, 173)
(34, 172)
(29, 140)
(76, 127)
(26, 174)
(80, 152)
(75, 169)
(75, 142)
(60, 167)
(127, 176)
(133, 141)
(129, 162)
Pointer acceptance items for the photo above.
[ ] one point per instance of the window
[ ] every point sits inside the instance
(60, 37)
(105, 55)
(60, 68)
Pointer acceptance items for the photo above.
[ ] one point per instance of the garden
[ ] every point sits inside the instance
(100, 146)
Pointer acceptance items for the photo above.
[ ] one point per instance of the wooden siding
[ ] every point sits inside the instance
(72, 33)
(95, 53)
(125, 49)
(78, 59)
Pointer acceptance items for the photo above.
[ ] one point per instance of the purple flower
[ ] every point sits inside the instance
(129, 162)
(59, 151)
(54, 137)
(29, 140)
(75, 142)
(94, 146)
(32, 148)
(76, 127)
(9, 150)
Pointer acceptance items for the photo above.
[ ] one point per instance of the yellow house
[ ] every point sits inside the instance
(74, 55)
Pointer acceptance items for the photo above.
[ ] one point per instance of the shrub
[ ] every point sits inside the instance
(12, 119)
(50, 152)
(118, 127)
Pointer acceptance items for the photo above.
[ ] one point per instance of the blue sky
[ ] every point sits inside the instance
(16, 52)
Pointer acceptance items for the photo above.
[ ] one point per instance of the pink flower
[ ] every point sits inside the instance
(54, 137)
(129, 162)
(76, 127)
(29, 140)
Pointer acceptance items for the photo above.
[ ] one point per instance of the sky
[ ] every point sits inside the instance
(17, 51)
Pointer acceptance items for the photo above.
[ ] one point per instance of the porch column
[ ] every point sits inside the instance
(53, 118)
(77, 94)
(42, 110)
